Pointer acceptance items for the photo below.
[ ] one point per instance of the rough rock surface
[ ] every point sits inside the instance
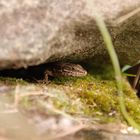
(38, 31)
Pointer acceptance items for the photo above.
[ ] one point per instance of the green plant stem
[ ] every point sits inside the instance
(115, 62)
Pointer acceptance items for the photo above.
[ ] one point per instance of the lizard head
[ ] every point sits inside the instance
(70, 69)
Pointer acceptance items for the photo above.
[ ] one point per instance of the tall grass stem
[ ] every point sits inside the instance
(118, 74)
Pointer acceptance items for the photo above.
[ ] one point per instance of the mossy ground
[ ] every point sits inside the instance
(98, 99)
(93, 97)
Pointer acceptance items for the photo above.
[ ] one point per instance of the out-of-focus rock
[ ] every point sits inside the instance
(39, 31)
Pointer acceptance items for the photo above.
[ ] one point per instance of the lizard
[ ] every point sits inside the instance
(64, 69)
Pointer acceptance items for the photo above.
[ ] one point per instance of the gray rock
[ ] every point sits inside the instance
(39, 31)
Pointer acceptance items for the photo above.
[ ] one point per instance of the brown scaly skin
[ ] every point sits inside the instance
(64, 69)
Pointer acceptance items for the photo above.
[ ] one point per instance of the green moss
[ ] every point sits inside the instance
(12, 81)
(98, 97)
(93, 96)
